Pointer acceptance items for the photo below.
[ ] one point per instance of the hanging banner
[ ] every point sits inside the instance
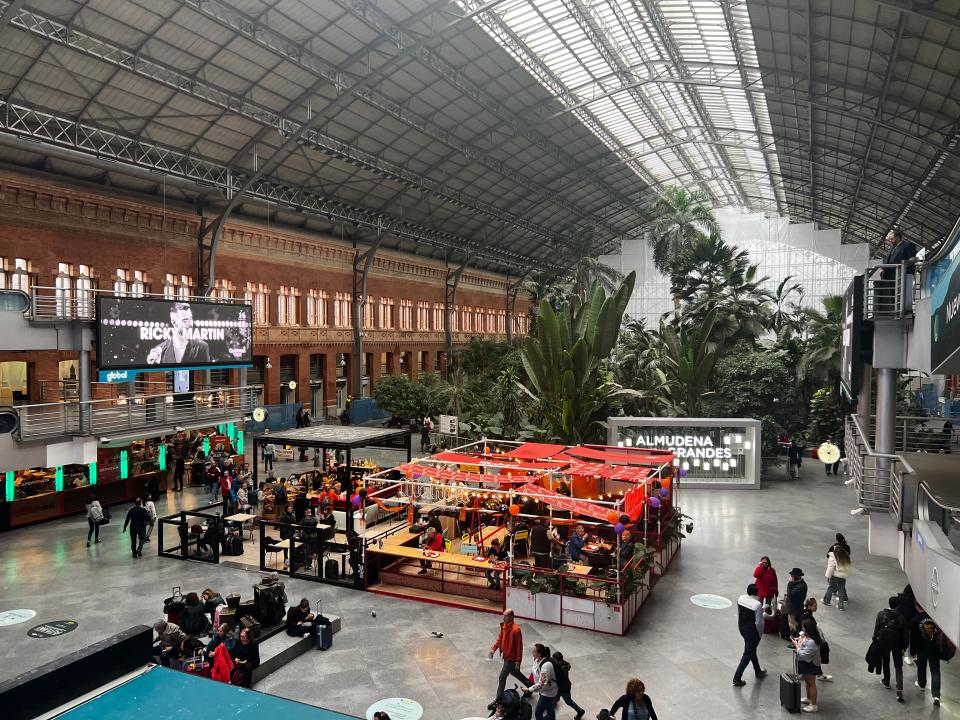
(581, 507)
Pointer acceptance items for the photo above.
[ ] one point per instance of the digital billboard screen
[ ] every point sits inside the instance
(148, 333)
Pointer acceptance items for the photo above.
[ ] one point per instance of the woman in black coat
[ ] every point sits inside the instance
(246, 659)
(635, 696)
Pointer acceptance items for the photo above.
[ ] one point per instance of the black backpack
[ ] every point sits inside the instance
(891, 629)
(561, 669)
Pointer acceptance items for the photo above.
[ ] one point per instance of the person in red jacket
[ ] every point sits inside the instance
(767, 587)
(510, 643)
(431, 541)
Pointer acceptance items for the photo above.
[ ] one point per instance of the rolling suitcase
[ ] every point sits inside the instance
(331, 569)
(323, 637)
(771, 623)
(790, 689)
(233, 599)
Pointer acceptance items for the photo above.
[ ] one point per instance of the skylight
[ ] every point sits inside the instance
(660, 82)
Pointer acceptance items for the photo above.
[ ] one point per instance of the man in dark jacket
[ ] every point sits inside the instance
(138, 519)
(925, 649)
(540, 544)
(750, 624)
(794, 458)
(796, 596)
(890, 632)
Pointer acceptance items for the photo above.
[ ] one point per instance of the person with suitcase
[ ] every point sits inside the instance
(767, 585)
(750, 623)
(808, 644)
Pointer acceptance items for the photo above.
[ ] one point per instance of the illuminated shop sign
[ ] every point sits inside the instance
(686, 446)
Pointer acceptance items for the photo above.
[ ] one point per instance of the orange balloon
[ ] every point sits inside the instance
(613, 517)
(514, 509)
(665, 482)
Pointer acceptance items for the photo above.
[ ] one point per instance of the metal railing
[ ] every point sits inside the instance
(59, 304)
(889, 291)
(877, 477)
(59, 390)
(140, 412)
(915, 433)
(947, 518)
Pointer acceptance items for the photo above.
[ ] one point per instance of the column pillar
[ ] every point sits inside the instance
(303, 380)
(329, 371)
(413, 363)
(271, 379)
(427, 361)
(373, 370)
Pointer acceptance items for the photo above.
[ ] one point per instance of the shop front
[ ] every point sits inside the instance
(122, 472)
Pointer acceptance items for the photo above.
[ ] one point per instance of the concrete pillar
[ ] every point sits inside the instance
(271, 379)
(303, 380)
(373, 370)
(886, 410)
(883, 536)
(413, 363)
(427, 359)
(329, 374)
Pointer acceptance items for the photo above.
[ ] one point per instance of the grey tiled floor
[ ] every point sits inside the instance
(684, 654)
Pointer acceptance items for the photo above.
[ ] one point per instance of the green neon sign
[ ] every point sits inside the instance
(206, 446)
(238, 443)
(124, 465)
(162, 456)
(9, 486)
(58, 478)
(93, 473)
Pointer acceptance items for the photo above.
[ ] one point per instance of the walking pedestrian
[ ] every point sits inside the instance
(890, 632)
(796, 596)
(152, 513)
(137, 519)
(768, 588)
(424, 437)
(561, 669)
(545, 685)
(95, 519)
(908, 608)
(750, 624)
(179, 468)
(269, 452)
(794, 458)
(841, 541)
(808, 644)
(838, 568)
(834, 466)
(510, 644)
(926, 646)
(635, 703)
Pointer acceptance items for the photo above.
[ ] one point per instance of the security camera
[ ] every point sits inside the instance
(857, 511)
(178, 428)
(104, 441)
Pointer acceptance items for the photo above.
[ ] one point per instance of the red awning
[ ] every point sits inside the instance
(535, 451)
(580, 507)
(620, 456)
(464, 458)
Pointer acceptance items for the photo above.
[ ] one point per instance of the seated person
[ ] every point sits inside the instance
(576, 542)
(326, 518)
(221, 636)
(189, 648)
(300, 506)
(246, 658)
(194, 620)
(300, 621)
(431, 540)
(627, 547)
(169, 638)
(496, 553)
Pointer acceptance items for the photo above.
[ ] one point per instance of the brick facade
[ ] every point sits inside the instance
(48, 222)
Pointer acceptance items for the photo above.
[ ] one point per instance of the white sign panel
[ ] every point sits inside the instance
(448, 424)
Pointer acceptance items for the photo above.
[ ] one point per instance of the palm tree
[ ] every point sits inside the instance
(821, 358)
(678, 215)
(586, 269)
(543, 286)
(689, 358)
(787, 313)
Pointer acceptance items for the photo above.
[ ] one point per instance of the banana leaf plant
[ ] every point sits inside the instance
(564, 362)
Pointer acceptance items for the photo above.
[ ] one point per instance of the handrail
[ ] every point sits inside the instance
(883, 297)
(872, 453)
(134, 413)
(58, 304)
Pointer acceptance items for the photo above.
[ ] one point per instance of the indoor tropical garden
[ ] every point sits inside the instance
(731, 347)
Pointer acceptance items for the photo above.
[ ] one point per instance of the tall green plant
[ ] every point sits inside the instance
(821, 358)
(689, 358)
(563, 361)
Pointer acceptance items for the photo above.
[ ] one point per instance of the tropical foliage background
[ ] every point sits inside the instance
(730, 347)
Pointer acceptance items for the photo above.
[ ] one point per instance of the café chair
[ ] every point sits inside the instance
(520, 539)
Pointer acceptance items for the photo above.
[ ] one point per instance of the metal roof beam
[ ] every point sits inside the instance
(46, 129)
(140, 64)
(911, 7)
(340, 78)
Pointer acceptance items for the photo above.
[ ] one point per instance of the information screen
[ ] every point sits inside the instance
(147, 333)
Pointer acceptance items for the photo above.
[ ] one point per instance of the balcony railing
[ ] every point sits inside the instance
(877, 477)
(122, 416)
(889, 291)
(57, 304)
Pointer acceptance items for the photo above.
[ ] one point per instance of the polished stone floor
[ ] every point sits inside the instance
(685, 654)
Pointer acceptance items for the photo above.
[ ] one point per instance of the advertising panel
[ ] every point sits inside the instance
(856, 345)
(945, 325)
(156, 334)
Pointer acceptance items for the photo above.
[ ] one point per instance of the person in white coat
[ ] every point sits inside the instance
(838, 569)
(95, 519)
(152, 512)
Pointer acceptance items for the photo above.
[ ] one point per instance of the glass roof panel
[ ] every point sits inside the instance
(651, 78)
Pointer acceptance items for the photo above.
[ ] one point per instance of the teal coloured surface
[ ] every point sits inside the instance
(163, 694)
